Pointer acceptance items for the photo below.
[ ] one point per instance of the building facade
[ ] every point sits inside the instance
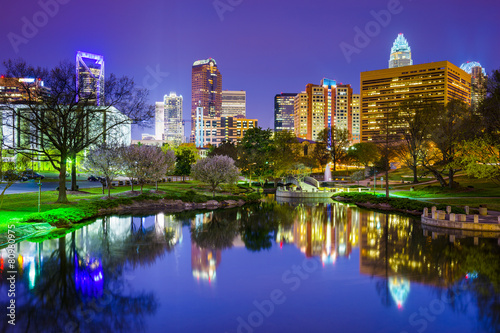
(400, 53)
(21, 90)
(168, 119)
(90, 77)
(325, 106)
(383, 90)
(214, 131)
(478, 81)
(206, 91)
(234, 103)
(284, 112)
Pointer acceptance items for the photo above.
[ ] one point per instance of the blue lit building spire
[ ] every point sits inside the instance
(400, 53)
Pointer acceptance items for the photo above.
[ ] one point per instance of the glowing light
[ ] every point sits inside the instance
(399, 288)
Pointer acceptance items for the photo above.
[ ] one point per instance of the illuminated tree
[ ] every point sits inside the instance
(215, 170)
(104, 161)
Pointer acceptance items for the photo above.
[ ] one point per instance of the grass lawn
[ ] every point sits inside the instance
(469, 187)
(18, 206)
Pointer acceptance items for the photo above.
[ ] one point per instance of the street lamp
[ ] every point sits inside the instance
(39, 193)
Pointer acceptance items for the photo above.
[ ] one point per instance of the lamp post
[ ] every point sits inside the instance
(39, 193)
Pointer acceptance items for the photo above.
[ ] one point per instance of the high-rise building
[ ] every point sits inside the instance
(213, 131)
(356, 119)
(21, 90)
(206, 91)
(283, 112)
(478, 81)
(168, 119)
(383, 90)
(323, 106)
(90, 76)
(400, 53)
(234, 103)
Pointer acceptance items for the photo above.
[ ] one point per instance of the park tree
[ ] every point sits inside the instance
(215, 170)
(489, 108)
(285, 154)
(226, 148)
(454, 123)
(415, 116)
(59, 122)
(255, 153)
(185, 156)
(480, 158)
(336, 141)
(147, 163)
(363, 154)
(104, 161)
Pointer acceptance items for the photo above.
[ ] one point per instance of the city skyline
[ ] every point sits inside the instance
(251, 56)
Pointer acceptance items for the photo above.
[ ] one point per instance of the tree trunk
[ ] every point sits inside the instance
(451, 173)
(62, 198)
(415, 177)
(132, 183)
(386, 181)
(156, 185)
(73, 173)
(141, 187)
(109, 187)
(438, 176)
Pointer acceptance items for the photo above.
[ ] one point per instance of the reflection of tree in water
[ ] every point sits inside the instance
(258, 225)
(70, 296)
(144, 246)
(218, 233)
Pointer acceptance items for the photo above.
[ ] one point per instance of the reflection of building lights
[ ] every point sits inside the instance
(472, 275)
(32, 274)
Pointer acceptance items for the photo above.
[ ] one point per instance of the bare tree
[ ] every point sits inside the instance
(215, 171)
(63, 120)
(104, 161)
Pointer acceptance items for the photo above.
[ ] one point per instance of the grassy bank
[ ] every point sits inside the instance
(19, 208)
(395, 204)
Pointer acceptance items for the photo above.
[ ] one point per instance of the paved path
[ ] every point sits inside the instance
(31, 186)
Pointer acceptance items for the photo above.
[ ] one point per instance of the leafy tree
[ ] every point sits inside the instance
(226, 148)
(215, 171)
(256, 152)
(358, 175)
(450, 127)
(480, 158)
(415, 117)
(60, 123)
(489, 108)
(104, 161)
(185, 155)
(285, 154)
(336, 141)
(363, 154)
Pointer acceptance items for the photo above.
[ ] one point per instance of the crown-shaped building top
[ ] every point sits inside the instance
(400, 53)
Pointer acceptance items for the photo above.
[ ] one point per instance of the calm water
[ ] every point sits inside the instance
(268, 268)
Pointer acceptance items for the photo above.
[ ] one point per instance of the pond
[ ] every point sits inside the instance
(272, 267)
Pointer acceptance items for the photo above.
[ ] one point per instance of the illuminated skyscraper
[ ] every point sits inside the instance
(90, 76)
(168, 120)
(206, 91)
(283, 112)
(234, 103)
(478, 81)
(323, 106)
(383, 90)
(400, 53)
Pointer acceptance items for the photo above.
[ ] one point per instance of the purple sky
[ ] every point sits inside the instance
(262, 46)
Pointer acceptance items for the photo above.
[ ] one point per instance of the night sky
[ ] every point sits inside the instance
(262, 46)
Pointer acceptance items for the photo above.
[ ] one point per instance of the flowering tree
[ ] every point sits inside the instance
(215, 171)
(104, 161)
(147, 163)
